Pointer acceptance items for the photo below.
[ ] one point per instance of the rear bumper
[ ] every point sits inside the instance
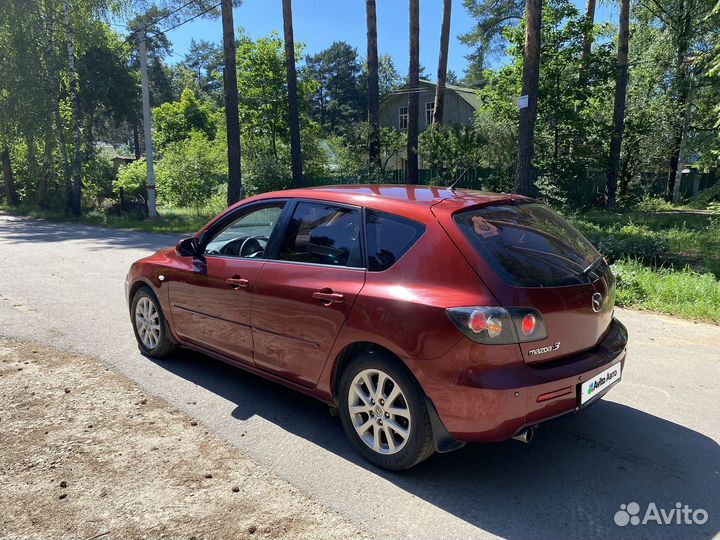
(489, 404)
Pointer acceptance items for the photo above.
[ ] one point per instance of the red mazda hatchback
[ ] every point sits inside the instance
(425, 316)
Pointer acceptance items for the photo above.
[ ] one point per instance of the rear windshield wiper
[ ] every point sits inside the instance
(538, 256)
(551, 254)
(592, 266)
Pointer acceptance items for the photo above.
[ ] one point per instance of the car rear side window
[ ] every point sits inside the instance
(389, 237)
(320, 233)
(529, 245)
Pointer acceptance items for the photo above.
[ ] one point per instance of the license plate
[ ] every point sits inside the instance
(599, 383)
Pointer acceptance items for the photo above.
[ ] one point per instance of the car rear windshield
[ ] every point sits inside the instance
(529, 245)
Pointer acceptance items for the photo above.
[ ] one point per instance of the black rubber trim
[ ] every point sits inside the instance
(443, 441)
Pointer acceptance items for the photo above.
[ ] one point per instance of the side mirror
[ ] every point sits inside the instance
(188, 247)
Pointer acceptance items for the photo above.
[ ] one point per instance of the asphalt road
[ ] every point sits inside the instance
(653, 439)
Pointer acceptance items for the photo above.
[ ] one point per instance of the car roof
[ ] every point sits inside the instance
(394, 195)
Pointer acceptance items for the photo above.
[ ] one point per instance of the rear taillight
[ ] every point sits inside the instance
(496, 325)
(528, 324)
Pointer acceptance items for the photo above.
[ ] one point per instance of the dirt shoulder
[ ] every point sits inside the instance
(84, 453)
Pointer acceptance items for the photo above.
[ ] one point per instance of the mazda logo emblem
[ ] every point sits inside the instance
(597, 302)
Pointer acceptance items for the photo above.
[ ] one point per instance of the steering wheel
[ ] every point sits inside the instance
(258, 246)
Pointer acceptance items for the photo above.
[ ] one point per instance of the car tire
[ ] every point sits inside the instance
(153, 338)
(388, 426)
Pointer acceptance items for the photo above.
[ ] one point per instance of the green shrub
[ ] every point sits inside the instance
(653, 204)
(706, 197)
(175, 121)
(451, 150)
(264, 173)
(132, 178)
(98, 178)
(190, 171)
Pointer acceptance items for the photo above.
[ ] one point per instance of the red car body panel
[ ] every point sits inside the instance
(274, 327)
(294, 333)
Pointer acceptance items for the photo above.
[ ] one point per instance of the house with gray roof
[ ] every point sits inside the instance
(460, 106)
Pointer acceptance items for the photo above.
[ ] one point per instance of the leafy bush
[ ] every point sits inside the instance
(707, 197)
(98, 178)
(653, 204)
(563, 182)
(190, 171)
(451, 149)
(174, 122)
(132, 178)
(263, 172)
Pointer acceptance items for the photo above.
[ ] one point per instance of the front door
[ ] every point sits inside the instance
(211, 297)
(304, 294)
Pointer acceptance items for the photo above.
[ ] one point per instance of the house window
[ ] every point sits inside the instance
(429, 109)
(403, 118)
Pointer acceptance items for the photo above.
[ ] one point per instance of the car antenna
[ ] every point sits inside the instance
(451, 187)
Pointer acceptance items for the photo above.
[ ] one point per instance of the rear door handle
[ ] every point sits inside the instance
(236, 282)
(327, 297)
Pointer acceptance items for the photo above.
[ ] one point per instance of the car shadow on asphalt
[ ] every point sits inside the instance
(568, 483)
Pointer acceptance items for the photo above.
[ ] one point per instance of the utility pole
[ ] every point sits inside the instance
(147, 126)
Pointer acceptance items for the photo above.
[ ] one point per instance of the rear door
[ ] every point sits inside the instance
(306, 291)
(531, 257)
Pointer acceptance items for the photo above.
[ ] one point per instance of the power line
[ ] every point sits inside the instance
(164, 31)
(169, 14)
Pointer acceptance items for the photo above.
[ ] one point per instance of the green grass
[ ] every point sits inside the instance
(683, 293)
(169, 220)
(676, 239)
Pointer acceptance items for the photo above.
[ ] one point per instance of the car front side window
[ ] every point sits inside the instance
(248, 235)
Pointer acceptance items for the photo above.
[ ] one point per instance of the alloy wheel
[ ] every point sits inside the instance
(379, 411)
(147, 322)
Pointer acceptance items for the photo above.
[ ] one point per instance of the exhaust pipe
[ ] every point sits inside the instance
(525, 436)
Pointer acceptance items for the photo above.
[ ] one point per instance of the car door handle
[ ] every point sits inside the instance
(236, 282)
(327, 297)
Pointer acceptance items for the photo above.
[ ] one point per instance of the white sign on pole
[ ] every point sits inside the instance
(522, 102)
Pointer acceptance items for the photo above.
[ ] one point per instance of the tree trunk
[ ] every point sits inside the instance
(294, 119)
(45, 175)
(54, 87)
(89, 136)
(413, 90)
(136, 140)
(683, 90)
(442, 64)
(31, 158)
(11, 197)
(675, 194)
(588, 33)
(619, 111)
(373, 92)
(525, 171)
(235, 190)
(74, 189)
